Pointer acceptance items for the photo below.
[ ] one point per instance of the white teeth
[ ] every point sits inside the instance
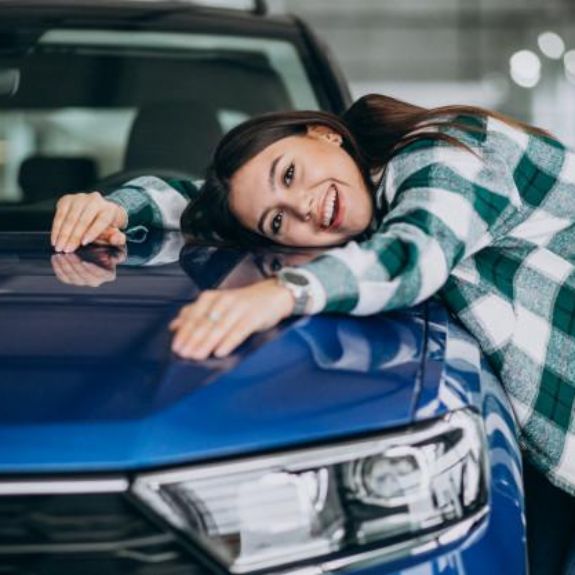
(329, 208)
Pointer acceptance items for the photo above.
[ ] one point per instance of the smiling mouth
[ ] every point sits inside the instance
(331, 208)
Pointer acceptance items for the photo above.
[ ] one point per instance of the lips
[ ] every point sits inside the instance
(330, 210)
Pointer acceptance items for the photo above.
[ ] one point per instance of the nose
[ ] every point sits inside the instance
(303, 204)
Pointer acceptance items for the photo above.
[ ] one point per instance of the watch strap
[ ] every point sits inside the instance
(299, 288)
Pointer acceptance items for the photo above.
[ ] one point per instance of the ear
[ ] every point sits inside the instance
(324, 133)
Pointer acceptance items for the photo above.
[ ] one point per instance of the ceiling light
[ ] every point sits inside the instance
(525, 68)
(551, 44)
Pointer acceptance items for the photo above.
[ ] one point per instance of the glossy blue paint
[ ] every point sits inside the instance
(88, 384)
(498, 545)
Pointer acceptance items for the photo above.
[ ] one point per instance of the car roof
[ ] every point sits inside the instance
(19, 17)
(141, 12)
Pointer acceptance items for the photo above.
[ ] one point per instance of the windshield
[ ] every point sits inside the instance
(88, 109)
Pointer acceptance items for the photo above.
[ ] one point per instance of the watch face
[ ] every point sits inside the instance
(295, 279)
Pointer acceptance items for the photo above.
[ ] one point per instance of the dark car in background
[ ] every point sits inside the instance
(377, 445)
(95, 93)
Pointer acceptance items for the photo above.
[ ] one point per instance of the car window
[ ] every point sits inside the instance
(78, 107)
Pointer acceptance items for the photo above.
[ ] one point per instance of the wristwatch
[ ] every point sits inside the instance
(299, 287)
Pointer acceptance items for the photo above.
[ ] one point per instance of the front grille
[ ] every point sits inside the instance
(102, 533)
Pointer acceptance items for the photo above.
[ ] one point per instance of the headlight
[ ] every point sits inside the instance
(393, 492)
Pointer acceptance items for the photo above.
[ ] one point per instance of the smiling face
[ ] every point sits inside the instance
(303, 191)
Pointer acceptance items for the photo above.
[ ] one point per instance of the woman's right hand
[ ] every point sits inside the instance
(81, 219)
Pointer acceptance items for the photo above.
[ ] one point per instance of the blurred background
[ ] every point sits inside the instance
(515, 56)
(106, 117)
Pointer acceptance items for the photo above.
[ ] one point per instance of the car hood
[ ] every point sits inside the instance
(88, 382)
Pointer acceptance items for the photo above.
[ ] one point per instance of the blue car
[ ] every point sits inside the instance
(377, 445)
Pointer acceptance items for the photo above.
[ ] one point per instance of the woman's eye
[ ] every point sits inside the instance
(277, 223)
(288, 175)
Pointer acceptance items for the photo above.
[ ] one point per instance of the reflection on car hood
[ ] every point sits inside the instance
(88, 381)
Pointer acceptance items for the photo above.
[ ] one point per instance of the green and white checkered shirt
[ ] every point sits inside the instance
(494, 235)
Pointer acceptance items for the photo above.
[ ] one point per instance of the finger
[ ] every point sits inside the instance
(193, 323)
(184, 334)
(185, 322)
(69, 224)
(117, 238)
(100, 224)
(193, 341)
(90, 212)
(235, 337)
(180, 319)
(208, 336)
(111, 237)
(74, 207)
(62, 208)
(104, 238)
(199, 307)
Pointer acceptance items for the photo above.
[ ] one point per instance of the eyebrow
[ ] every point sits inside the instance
(272, 184)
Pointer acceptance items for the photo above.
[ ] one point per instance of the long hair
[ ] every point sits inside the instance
(373, 130)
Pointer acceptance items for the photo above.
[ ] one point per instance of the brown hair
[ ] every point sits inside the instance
(373, 129)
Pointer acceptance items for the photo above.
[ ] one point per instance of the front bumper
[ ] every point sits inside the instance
(94, 525)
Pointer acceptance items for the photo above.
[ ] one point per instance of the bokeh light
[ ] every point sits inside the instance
(551, 44)
(525, 68)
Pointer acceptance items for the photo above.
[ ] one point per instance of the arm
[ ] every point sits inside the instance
(444, 205)
(441, 210)
(152, 202)
(144, 202)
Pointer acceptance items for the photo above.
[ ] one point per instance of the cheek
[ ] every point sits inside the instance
(299, 236)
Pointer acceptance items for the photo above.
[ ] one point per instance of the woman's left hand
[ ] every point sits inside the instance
(220, 320)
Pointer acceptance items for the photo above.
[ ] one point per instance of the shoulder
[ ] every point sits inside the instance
(431, 158)
(462, 133)
(481, 146)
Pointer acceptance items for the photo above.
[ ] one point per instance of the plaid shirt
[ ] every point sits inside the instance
(493, 235)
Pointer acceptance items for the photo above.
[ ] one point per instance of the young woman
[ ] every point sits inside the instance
(455, 201)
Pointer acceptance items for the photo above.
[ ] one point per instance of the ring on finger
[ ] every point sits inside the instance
(214, 316)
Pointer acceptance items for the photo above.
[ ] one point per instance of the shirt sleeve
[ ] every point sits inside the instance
(444, 204)
(163, 250)
(152, 202)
